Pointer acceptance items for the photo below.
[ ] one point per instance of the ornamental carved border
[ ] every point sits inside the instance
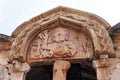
(101, 40)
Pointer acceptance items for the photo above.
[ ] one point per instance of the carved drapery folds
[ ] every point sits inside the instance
(60, 42)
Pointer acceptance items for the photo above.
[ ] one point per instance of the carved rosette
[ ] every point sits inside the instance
(60, 43)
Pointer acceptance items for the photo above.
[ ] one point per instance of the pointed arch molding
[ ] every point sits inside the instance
(101, 41)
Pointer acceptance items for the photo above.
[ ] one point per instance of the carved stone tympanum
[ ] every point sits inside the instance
(60, 42)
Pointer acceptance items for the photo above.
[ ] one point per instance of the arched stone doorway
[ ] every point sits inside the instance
(60, 43)
(60, 34)
(76, 72)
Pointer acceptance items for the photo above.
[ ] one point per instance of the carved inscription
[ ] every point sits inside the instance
(61, 43)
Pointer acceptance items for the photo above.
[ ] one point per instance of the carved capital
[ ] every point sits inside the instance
(17, 66)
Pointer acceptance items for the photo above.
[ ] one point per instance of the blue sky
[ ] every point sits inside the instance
(15, 12)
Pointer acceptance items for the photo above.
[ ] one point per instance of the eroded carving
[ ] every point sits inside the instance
(106, 45)
(61, 43)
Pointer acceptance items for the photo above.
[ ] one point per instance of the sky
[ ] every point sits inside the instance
(15, 12)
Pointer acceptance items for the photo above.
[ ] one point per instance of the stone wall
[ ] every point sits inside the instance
(4, 49)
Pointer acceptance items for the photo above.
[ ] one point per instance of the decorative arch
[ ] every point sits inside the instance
(92, 27)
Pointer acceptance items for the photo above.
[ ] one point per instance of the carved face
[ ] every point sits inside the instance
(59, 35)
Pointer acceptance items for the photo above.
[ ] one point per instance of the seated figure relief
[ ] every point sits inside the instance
(61, 43)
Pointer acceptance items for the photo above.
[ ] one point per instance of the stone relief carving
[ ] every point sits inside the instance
(105, 42)
(61, 43)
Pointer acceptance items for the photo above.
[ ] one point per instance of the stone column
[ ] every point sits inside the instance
(103, 67)
(60, 69)
(102, 73)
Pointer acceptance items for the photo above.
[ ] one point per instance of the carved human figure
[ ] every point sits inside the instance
(54, 44)
(60, 69)
(61, 42)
